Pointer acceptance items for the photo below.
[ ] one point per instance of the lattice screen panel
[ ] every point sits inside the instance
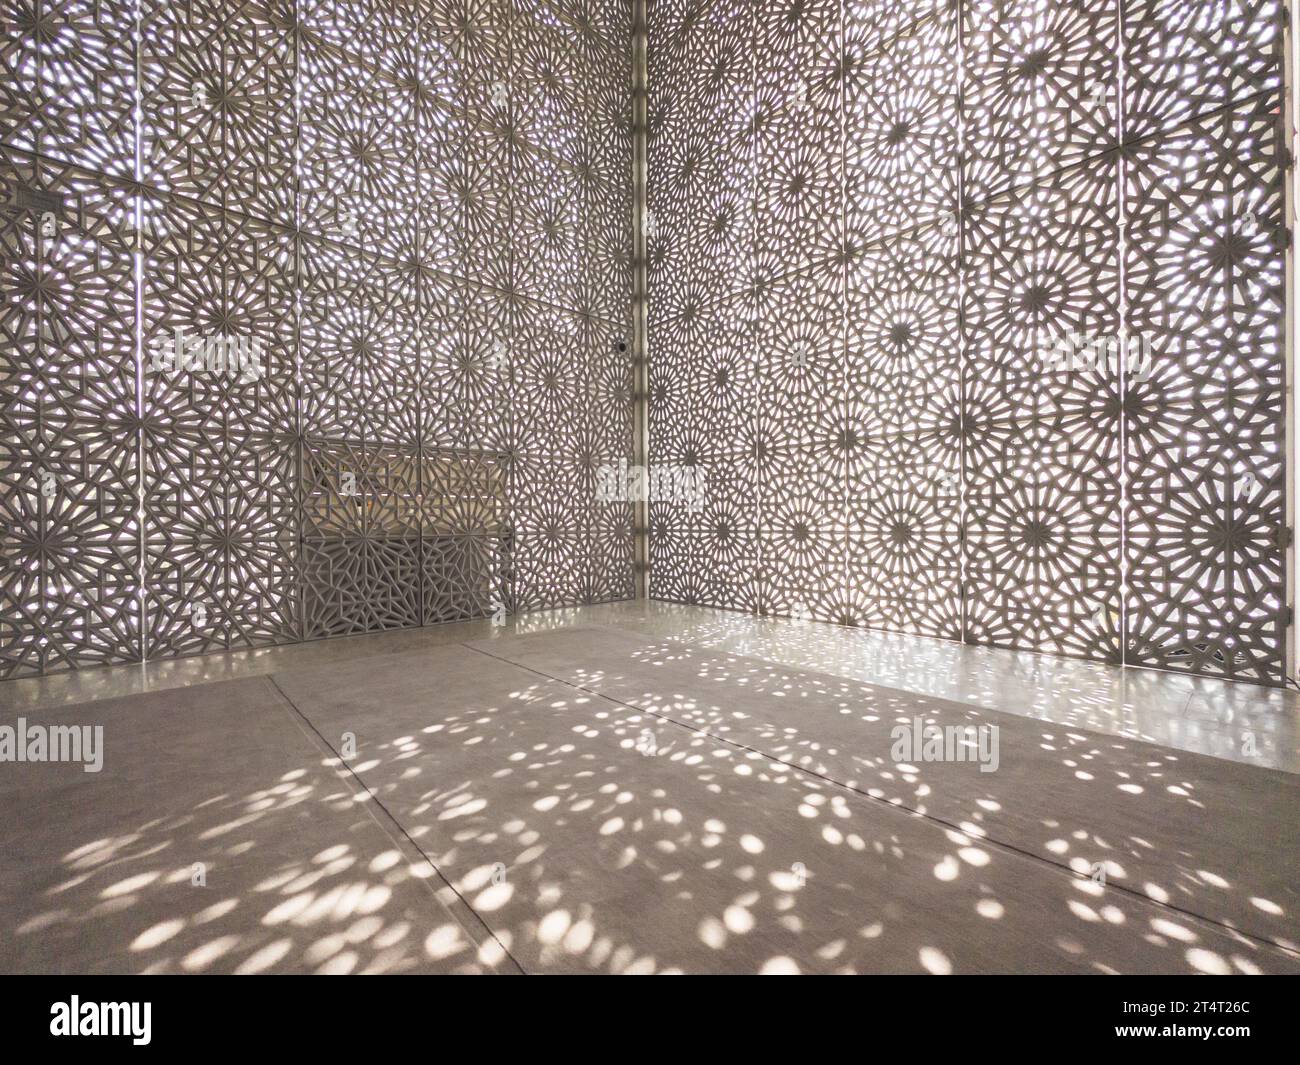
(903, 382)
(973, 313)
(1206, 435)
(71, 553)
(408, 221)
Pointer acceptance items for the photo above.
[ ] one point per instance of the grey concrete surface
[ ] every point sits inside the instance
(1242, 722)
(617, 798)
(584, 853)
(1208, 836)
(97, 870)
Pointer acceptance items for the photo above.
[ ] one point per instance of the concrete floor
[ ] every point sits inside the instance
(1220, 718)
(500, 816)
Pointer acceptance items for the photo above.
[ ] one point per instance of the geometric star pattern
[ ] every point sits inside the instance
(875, 227)
(418, 215)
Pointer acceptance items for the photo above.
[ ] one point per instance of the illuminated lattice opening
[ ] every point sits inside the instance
(974, 313)
(408, 226)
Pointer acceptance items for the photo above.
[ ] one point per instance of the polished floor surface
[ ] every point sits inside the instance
(642, 787)
(1241, 722)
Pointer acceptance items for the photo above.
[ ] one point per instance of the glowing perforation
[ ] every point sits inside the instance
(1210, 410)
(217, 106)
(901, 113)
(83, 86)
(220, 481)
(1041, 87)
(1185, 60)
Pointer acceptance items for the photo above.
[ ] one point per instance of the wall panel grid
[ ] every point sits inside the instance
(974, 312)
(315, 318)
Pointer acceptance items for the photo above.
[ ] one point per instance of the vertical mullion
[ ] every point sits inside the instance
(1121, 199)
(137, 104)
(845, 532)
(299, 556)
(751, 310)
(1287, 118)
(640, 293)
(960, 219)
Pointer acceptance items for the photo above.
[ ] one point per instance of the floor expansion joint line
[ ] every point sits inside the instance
(906, 810)
(305, 720)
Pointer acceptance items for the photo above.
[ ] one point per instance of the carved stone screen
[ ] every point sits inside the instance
(973, 312)
(315, 318)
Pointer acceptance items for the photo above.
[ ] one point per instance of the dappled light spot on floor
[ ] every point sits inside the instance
(638, 831)
(1206, 961)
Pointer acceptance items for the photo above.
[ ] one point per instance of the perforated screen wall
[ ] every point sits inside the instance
(315, 318)
(973, 312)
